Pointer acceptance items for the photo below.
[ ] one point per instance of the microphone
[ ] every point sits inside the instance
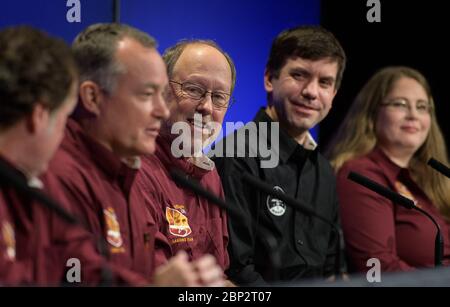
(183, 180)
(300, 206)
(9, 176)
(191, 184)
(383, 191)
(405, 202)
(441, 168)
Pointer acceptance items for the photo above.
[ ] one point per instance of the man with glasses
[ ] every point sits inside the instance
(201, 80)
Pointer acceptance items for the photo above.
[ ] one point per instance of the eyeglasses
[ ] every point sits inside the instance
(404, 105)
(220, 100)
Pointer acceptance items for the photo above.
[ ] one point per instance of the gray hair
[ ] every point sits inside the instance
(94, 49)
(172, 54)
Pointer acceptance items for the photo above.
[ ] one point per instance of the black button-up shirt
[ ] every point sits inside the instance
(272, 241)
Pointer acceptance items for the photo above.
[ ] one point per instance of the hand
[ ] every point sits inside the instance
(177, 272)
(332, 278)
(209, 272)
(229, 284)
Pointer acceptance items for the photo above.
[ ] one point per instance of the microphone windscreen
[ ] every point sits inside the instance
(439, 167)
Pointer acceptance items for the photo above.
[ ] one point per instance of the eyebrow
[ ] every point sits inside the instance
(151, 86)
(299, 69)
(328, 78)
(200, 84)
(306, 72)
(201, 80)
(404, 98)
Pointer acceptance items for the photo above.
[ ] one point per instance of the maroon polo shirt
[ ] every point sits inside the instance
(374, 227)
(97, 184)
(14, 269)
(35, 245)
(189, 222)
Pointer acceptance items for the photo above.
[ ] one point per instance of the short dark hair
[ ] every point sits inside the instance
(307, 42)
(172, 54)
(95, 49)
(34, 67)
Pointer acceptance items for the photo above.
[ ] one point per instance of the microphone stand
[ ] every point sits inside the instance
(438, 241)
(267, 238)
(10, 177)
(298, 205)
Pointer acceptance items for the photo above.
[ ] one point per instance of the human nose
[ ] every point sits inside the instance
(205, 105)
(411, 111)
(310, 90)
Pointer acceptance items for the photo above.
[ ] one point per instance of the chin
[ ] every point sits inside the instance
(412, 143)
(412, 147)
(150, 149)
(146, 149)
(302, 127)
(416, 146)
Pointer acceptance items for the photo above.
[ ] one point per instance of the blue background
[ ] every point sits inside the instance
(243, 28)
(50, 15)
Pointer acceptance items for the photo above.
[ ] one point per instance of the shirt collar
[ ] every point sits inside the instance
(289, 147)
(196, 167)
(390, 169)
(33, 182)
(309, 143)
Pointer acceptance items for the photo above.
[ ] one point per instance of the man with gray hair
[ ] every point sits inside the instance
(201, 78)
(118, 117)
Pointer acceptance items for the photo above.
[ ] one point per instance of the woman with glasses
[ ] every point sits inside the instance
(389, 135)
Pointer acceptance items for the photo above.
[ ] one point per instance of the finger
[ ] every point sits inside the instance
(212, 277)
(205, 262)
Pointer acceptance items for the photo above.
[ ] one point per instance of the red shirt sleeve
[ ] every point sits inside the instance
(12, 271)
(226, 258)
(163, 250)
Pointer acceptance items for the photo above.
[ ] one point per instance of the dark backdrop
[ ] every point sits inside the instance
(410, 33)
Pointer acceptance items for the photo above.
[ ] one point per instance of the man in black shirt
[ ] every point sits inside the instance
(272, 242)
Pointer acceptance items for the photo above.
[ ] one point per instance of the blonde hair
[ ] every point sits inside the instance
(356, 135)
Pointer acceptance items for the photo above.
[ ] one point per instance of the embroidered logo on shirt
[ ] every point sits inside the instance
(113, 235)
(10, 240)
(276, 207)
(403, 190)
(178, 222)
